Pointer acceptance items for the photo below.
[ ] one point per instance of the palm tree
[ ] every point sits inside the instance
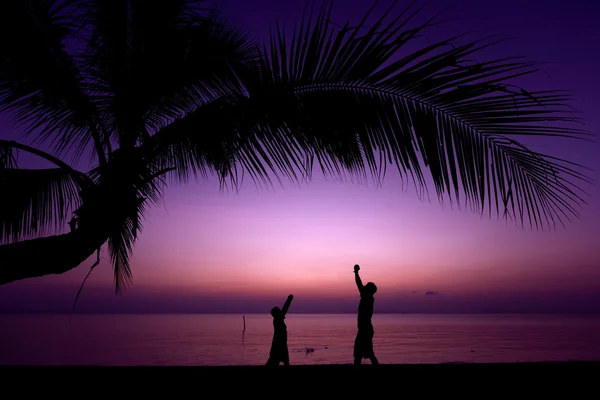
(167, 90)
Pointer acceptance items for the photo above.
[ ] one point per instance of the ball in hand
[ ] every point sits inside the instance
(356, 268)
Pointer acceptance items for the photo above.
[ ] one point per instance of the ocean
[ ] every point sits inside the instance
(200, 339)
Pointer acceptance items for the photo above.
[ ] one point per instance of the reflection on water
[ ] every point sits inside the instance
(312, 339)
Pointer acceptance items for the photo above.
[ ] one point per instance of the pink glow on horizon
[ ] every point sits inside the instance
(308, 238)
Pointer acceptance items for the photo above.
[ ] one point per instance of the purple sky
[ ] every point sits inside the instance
(206, 251)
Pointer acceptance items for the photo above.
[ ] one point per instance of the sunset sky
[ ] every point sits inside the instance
(207, 251)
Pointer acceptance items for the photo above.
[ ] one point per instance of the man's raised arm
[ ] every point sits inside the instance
(287, 304)
(359, 284)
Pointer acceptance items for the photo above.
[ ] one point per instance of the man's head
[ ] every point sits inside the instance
(276, 312)
(370, 288)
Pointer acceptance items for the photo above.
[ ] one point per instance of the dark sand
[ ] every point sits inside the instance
(571, 380)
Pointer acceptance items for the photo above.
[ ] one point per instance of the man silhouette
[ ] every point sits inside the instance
(363, 344)
(279, 348)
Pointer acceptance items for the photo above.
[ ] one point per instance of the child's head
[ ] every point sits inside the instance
(276, 312)
(370, 288)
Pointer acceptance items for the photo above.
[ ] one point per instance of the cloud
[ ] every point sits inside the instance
(430, 293)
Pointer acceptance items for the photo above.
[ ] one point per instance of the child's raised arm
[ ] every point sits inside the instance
(357, 279)
(287, 304)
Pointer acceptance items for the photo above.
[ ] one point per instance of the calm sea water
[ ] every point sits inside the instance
(220, 339)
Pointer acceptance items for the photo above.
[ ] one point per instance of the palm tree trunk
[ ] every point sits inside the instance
(46, 256)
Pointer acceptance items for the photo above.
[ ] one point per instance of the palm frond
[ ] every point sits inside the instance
(356, 103)
(8, 159)
(129, 176)
(201, 143)
(35, 202)
(138, 91)
(349, 100)
(40, 81)
(122, 240)
(223, 137)
(120, 246)
(214, 56)
(127, 184)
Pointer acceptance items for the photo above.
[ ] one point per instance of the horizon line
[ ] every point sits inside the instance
(294, 313)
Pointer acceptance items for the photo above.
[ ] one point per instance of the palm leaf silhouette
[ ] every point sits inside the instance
(348, 101)
(353, 108)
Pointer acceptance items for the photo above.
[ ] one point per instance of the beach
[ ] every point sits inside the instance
(573, 379)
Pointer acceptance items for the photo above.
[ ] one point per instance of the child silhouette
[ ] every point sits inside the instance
(279, 349)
